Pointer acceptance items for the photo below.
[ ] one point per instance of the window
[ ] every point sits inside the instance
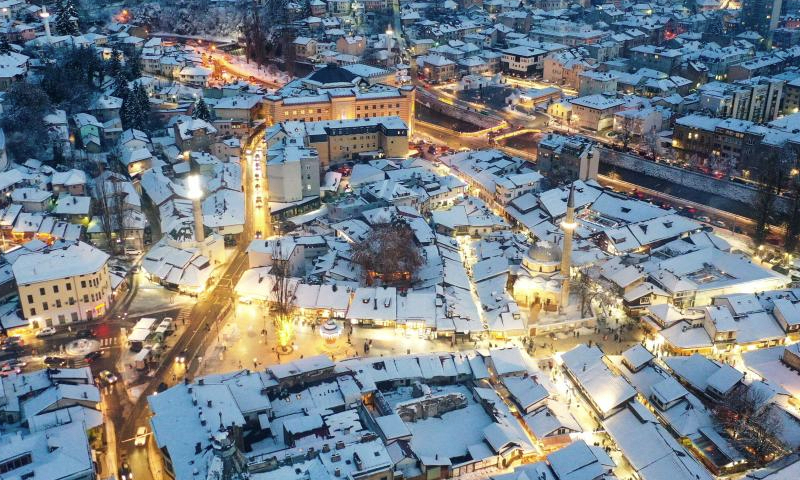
(15, 463)
(74, 316)
(69, 287)
(58, 303)
(83, 283)
(33, 311)
(71, 301)
(30, 298)
(55, 288)
(41, 290)
(86, 298)
(44, 306)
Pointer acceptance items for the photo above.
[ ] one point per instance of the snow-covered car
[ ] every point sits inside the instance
(46, 332)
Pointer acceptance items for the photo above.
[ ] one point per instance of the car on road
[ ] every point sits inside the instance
(107, 378)
(125, 472)
(46, 332)
(92, 356)
(85, 333)
(119, 270)
(56, 362)
(141, 437)
(703, 218)
(719, 223)
(181, 357)
(12, 343)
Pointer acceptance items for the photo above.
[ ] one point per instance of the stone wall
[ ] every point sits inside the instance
(687, 178)
(484, 121)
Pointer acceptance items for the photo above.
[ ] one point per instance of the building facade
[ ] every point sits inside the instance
(65, 284)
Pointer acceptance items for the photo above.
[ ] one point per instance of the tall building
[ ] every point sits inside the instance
(341, 93)
(339, 141)
(64, 283)
(761, 16)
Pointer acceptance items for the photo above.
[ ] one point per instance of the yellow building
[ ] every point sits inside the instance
(337, 141)
(63, 284)
(336, 93)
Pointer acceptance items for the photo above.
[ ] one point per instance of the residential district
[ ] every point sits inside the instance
(399, 240)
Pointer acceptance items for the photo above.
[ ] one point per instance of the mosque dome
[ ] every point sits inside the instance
(544, 252)
(332, 74)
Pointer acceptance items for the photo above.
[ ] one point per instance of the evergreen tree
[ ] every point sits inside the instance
(115, 62)
(143, 105)
(70, 12)
(130, 114)
(66, 22)
(201, 110)
(5, 47)
(134, 66)
(121, 89)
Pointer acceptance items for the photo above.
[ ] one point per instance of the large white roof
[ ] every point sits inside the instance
(74, 259)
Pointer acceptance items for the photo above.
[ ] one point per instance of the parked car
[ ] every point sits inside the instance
(56, 362)
(132, 252)
(92, 356)
(141, 437)
(719, 223)
(46, 332)
(107, 378)
(85, 333)
(703, 218)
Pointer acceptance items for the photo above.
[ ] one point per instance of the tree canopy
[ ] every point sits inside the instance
(201, 110)
(24, 108)
(67, 20)
(388, 253)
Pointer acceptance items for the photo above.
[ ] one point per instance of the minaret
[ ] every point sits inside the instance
(195, 193)
(568, 226)
(46, 17)
(389, 34)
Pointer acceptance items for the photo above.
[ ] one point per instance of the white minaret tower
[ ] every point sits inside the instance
(46, 18)
(389, 33)
(195, 193)
(568, 226)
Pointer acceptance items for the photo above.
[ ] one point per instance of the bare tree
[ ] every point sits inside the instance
(111, 209)
(388, 253)
(752, 422)
(283, 298)
(627, 133)
(584, 287)
(105, 213)
(790, 239)
(650, 140)
(770, 178)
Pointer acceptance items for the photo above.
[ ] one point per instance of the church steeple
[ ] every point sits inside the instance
(568, 226)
